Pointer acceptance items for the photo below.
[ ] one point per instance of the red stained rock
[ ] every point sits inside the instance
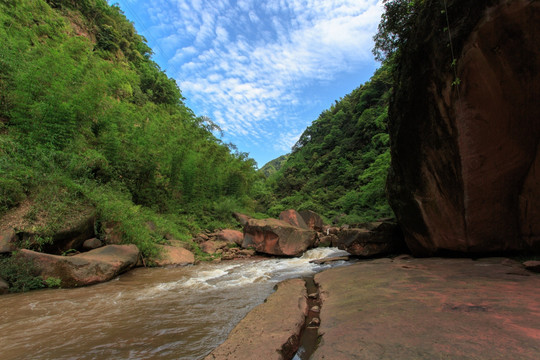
(211, 246)
(175, 256)
(231, 236)
(92, 267)
(271, 330)
(429, 309)
(466, 165)
(312, 219)
(276, 237)
(294, 218)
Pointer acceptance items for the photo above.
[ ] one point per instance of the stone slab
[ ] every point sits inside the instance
(271, 329)
(430, 309)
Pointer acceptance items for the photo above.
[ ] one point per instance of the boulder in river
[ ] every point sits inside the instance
(312, 220)
(294, 218)
(175, 256)
(384, 239)
(276, 237)
(88, 268)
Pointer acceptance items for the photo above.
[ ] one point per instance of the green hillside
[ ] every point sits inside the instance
(89, 121)
(274, 166)
(338, 166)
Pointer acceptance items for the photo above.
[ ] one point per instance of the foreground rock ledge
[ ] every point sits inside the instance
(429, 309)
(271, 330)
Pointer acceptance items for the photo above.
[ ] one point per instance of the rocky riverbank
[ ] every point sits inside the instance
(407, 308)
(79, 255)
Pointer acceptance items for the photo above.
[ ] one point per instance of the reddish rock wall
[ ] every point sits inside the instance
(465, 159)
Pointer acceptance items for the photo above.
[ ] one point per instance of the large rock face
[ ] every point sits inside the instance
(277, 237)
(465, 173)
(88, 268)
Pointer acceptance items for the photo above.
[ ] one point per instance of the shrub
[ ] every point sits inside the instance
(11, 193)
(20, 273)
(53, 282)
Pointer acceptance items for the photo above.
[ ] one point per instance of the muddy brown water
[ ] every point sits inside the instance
(162, 313)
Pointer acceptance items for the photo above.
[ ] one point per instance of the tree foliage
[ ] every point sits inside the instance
(84, 110)
(340, 162)
(396, 24)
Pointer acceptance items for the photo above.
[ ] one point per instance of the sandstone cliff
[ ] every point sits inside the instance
(465, 173)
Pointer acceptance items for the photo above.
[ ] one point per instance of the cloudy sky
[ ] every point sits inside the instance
(263, 70)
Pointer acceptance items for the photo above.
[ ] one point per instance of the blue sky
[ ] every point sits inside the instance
(263, 70)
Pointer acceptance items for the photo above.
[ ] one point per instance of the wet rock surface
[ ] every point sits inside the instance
(271, 330)
(432, 308)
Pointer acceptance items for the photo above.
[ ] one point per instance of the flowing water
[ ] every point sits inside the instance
(174, 313)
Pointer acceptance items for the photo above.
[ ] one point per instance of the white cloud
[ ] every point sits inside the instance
(245, 60)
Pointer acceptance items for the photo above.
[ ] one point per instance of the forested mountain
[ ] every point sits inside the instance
(339, 164)
(87, 119)
(274, 166)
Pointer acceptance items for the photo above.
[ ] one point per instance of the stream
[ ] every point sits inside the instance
(147, 313)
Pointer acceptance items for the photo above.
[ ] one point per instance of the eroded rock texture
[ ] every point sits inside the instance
(277, 237)
(465, 174)
(89, 268)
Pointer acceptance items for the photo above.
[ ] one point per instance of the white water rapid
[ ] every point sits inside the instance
(160, 313)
